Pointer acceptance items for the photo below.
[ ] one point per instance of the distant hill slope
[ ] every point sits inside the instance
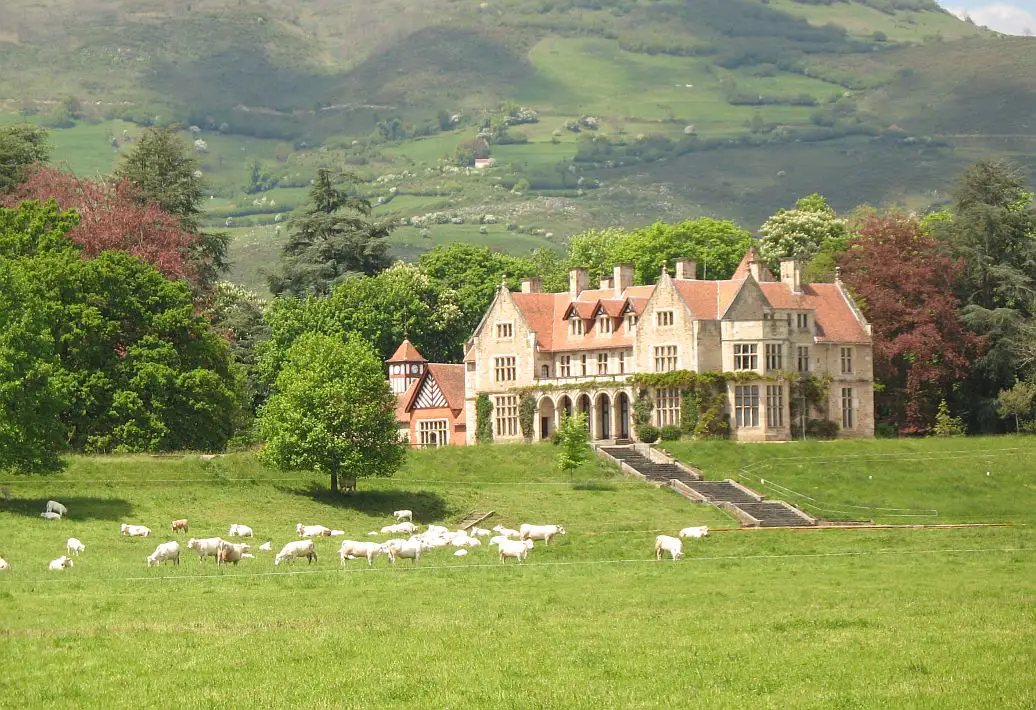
(644, 108)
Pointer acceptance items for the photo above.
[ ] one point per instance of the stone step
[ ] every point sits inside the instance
(774, 515)
(722, 492)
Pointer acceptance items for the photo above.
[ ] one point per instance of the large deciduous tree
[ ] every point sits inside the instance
(332, 411)
(164, 170)
(112, 216)
(906, 283)
(20, 147)
(993, 230)
(334, 239)
(803, 232)
(139, 369)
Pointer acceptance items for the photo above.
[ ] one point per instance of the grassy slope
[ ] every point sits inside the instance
(745, 618)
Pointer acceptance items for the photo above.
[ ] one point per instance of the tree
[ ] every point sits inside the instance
(991, 230)
(906, 282)
(20, 146)
(112, 216)
(802, 232)
(163, 168)
(140, 368)
(1017, 402)
(30, 393)
(574, 447)
(333, 240)
(332, 411)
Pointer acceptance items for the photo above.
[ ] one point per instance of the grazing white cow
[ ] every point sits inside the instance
(518, 549)
(48, 515)
(407, 549)
(293, 550)
(399, 529)
(265, 547)
(74, 547)
(229, 552)
(205, 547)
(60, 563)
(352, 549)
(166, 552)
(506, 532)
(5, 566)
(667, 543)
(239, 531)
(540, 532)
(179, 525)
(135, 530)
(401, 515)
(312, 530)
(54, 507)
(695, 533)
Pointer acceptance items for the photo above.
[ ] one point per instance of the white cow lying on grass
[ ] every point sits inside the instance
(479, 532)
(48, 515)
(239, 531)
(5, 566)
(400, 515)
(74, 547)
(294, 550)
(135, 530)
(353, 549)
(205, 547)
(54, 507)
(399, 529)
(695, 533)
(540, 532)
(60, 563)
(667, 543)
(266, 547)
(518, 549)
(506, 532)
(312, 530)
(166, 552)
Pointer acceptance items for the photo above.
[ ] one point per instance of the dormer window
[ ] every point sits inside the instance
(504, 331)
(575, 326)
(664, 318)
(604, 325)
(631, 323)
(802, 320)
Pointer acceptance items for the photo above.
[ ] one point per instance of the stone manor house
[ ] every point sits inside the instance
(575, 351)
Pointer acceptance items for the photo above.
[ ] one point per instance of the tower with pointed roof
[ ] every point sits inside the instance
(405, 367)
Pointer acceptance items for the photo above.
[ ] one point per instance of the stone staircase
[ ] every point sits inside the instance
(746, 505)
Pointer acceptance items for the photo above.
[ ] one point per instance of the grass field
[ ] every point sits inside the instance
(838, 618)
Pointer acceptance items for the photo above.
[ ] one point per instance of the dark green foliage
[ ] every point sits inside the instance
(574, 449)
(483, 419)
(332, 411)
(527, 416)
(822, 429)
(670, 432)
(648, 433)
(20, 147)
(334, 239)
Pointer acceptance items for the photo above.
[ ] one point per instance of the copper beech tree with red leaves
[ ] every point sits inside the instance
(905, 281)
(114, 218)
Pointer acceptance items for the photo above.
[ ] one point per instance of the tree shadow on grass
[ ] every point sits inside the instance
(427, 506)
(79, 507)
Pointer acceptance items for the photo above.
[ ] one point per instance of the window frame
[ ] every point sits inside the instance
(774, 356)
(443, 431)
(504, 365)
(602, 360)
(667, 358)
(670, 318)
(505, 330)
(576, 326)
(565, 366)
(746, 406)
(774, 406)
(848, 412)
(505, 419)
(846, 360)
(667, 406)
(604, 324)
(743, 351)
(802, 354)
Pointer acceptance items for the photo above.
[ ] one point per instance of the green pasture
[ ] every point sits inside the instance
(818, 619)
(863, 21)
(407, 242)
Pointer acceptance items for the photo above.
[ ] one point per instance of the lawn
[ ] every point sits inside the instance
(839, 618)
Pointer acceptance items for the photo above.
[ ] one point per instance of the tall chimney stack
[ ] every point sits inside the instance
(791, 274)
(686, 269)
(577, 281)
(533, 284)
(622, 277)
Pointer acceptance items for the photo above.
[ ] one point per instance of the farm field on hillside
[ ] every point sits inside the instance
(779, 618)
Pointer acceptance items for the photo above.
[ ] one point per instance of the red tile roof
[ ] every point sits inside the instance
(836, 321)
(451, 382)
(406, 352)
(700, 297)
(612, 306)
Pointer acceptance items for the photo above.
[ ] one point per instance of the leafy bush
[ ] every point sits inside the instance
(670, 432)
(945, 425)
(649, 434)
(822, 429)
(884, 430)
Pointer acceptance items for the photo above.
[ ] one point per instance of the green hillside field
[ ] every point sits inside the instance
(822, 618)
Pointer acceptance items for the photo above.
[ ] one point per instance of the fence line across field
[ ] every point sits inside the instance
(415, 569)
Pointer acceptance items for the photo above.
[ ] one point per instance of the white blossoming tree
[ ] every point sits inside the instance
(802, 232)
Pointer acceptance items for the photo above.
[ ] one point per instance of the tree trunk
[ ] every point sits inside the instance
(334, 477)
(1017, 425)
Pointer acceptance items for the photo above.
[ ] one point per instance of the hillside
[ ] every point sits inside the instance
(640, 109)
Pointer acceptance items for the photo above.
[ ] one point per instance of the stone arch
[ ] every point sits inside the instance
(546, 418)
(602, 424)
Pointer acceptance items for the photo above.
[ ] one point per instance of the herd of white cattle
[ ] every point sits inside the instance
(510, 543)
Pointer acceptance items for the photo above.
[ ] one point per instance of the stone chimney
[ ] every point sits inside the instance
(791, 274)
(606, 284)
(686, 269)
(622, 277)
(577, 281)
(533, 284)
(757, 267)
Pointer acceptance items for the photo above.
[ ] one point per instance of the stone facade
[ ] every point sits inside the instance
(577, 350)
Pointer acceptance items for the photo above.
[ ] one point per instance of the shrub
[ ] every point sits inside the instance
(670, 432)
(945, 425)
(649, 434)
(822, 429)
(884, 430)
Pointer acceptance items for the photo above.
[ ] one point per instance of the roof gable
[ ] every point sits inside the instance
(748, 302)
(406, 352)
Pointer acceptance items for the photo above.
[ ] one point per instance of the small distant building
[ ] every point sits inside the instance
(429, 399)
(481, 163)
